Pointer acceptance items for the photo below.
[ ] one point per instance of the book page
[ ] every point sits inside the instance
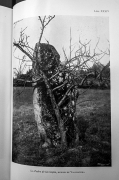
(5, 90)
(65, 90)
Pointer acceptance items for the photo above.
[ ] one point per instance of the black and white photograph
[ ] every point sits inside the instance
(61, 91)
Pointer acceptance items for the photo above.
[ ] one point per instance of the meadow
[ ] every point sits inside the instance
(94, 124)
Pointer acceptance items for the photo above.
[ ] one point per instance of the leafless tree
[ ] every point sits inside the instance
(61, 83)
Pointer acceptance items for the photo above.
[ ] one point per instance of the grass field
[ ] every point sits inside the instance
(94, 124)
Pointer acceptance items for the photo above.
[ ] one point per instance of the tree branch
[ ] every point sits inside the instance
(26, 53)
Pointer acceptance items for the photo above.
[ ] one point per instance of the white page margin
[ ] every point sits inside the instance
(5, 90)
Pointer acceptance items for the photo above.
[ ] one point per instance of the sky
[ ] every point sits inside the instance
(58, 34)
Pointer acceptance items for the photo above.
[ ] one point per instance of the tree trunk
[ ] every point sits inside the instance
(57, 112)
(63, 135)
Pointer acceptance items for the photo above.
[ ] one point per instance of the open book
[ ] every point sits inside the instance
(59, 90)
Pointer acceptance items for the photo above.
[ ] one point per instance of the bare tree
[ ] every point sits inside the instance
(56, 86)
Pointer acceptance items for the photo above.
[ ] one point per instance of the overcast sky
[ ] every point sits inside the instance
(58, 33)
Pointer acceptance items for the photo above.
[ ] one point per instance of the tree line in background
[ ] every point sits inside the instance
(97, 76)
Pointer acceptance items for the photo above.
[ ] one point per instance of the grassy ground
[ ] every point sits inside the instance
(94, 123)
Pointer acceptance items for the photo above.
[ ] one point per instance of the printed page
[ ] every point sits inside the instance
(65, 90)
(5, 90)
